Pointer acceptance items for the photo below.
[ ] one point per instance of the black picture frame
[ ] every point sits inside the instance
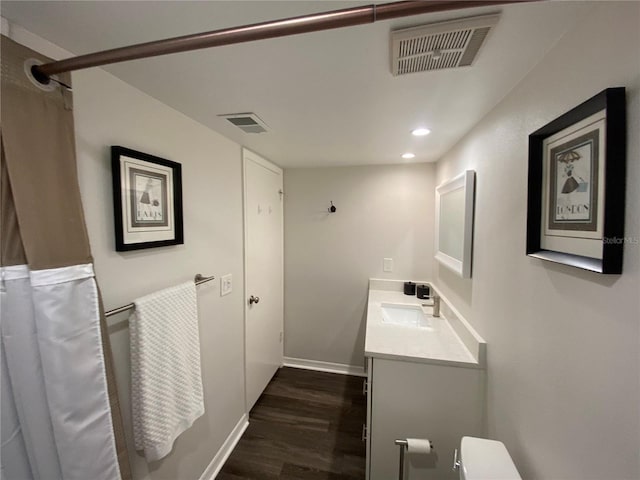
(147, 200)
(608, 201)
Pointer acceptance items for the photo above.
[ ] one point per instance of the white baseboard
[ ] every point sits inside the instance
(227, 447)
(324, 366)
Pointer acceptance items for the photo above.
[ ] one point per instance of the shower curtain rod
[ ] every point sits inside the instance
(260, 31)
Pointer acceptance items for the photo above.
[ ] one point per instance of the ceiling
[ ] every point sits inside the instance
(328, 97)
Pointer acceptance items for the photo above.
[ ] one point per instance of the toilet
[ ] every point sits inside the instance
(483, 459)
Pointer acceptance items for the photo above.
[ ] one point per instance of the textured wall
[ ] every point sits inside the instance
(383, 211)
(563, 344)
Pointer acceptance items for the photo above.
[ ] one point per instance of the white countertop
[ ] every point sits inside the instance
(439, 344)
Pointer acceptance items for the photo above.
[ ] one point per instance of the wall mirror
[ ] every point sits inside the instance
(454, 223)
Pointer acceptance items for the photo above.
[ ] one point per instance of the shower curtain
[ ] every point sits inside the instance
(59, 405)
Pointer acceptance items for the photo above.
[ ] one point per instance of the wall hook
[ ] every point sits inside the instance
(332, 208)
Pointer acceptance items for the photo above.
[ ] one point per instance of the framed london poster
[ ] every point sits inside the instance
(147, 198)
(576, 191)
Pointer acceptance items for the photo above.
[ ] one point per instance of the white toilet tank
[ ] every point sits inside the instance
(482, 459)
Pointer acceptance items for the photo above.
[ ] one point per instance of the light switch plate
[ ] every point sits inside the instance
(387, 264)
(226, 285)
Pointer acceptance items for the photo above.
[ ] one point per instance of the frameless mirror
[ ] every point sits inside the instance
(454, 223)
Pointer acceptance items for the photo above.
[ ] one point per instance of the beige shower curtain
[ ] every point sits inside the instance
(60, 411)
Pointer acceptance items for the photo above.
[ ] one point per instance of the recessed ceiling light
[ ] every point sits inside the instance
(420, 132)
(408, 155)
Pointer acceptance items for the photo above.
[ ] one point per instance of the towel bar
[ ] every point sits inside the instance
(198, 279)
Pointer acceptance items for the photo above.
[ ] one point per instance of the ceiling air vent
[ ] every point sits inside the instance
(437, 46)
(247, 122)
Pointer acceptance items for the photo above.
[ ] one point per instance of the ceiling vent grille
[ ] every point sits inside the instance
(438, 46)
(247, 122)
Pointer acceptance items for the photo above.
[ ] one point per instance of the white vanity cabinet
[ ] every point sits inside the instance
(420, 400)
(424, 380)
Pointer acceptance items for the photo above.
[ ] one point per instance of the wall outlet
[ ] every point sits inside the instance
(226, 285)
(387, 265)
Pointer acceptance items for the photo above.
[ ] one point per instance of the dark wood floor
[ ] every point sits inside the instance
(306, 426)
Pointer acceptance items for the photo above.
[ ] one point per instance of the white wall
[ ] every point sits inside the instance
(563, 344)
(382, 211)
(107, 112)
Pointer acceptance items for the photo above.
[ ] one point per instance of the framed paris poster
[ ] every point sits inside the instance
(147, 195)
(576, 195)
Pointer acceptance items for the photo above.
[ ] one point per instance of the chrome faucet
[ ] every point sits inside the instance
(436, 305)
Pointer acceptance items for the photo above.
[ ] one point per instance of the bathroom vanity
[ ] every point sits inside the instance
(425, 379)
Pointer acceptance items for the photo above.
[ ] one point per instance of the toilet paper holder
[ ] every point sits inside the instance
(402, 444)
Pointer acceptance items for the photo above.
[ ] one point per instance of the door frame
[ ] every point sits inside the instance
(248, 155)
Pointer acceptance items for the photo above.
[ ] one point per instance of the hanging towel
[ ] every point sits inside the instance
(166, 381)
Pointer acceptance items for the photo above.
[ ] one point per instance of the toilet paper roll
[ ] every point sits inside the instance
(418, 446)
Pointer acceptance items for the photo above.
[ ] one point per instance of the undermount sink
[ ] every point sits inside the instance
(406, 315)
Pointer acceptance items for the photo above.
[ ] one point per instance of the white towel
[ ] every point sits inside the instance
(166, 381)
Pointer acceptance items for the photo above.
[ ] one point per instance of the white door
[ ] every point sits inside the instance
(264, 309)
